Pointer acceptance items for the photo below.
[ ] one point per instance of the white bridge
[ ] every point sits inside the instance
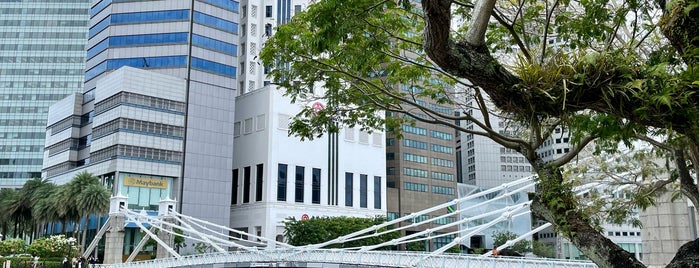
(318, 257)
(234, 251)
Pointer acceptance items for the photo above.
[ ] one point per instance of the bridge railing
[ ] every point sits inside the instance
(368, 258)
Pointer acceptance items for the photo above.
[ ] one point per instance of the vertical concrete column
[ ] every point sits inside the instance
(666, 227)
(114, 237)
(165, 207)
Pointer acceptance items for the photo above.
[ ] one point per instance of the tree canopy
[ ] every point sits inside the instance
(610, 72)
(316, 230)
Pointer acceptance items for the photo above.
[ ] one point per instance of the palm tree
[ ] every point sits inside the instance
(46, 207)
(30, 194)
(67, 210)
(94, 199)
(18, 210)
(75, 191)
(6, 197)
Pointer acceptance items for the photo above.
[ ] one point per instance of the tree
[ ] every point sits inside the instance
(614, 83)
(316, 230)
(93, 200)
(501, 237)
(542, 249)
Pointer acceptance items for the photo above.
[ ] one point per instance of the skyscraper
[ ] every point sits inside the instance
(42, 60)
(170, 135)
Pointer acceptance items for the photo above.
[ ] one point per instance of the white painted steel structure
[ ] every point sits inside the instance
(253, 253)
(297, 257)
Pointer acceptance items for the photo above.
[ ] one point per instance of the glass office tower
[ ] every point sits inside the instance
(42, 51)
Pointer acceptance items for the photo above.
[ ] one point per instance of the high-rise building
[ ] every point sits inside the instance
(276, 176)
(42, 60)
(421, 172)
(485, 163)
(166, 130)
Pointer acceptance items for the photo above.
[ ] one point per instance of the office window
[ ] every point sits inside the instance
(418, 187)
(315, 187)
(377, 192)
(281, 182)
(258, 182)
(363, 191)
(234, 196)
(268, 11)
(299, 184)
(246, 185)
(348, 188)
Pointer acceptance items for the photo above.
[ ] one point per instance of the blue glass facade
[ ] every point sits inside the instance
(218, 23)
(137, 40)
(139, 17)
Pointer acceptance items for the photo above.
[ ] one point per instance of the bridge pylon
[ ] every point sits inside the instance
(165, 207)
(114, 243)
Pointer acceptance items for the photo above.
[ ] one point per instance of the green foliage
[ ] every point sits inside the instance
(56, 246)
(417, 246)
(359, 61)
(501, 237)
(12, 246)
(542, 249)
(316, 230)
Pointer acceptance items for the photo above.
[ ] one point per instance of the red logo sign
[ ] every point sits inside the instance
(304, 217)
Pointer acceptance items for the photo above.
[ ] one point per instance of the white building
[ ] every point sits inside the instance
(276, 176)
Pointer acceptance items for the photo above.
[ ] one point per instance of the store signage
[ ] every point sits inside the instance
(145, 182)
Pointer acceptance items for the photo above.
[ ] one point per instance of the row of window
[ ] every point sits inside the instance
(139, 126)
(415, 158)
(441, 148)
(43, 72)
(413, 172)
(23, 135)
(510, 159)
(139, 100)
(225, 4)
(21, 148)
(414, 130)
(60, 168)
(247, 184)
(44, 23)
(19, 174)
(22, 122)
(440, 135)
(68, 144)
(623, 233)
(43, 35)
(162, 62)
(136, 152)
(20, 161)
(299, 185)
(515, 168)
(246, 126)
(442, 176)
(442, 162)
(441, 109)
(64, 124)
(163, 16)
(50, 11)
(419, 187)
(44, 59)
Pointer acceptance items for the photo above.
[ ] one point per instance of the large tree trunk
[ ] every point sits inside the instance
(687, 256)
(555, 202)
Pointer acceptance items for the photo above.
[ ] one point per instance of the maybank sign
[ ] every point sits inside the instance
(145, 182)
